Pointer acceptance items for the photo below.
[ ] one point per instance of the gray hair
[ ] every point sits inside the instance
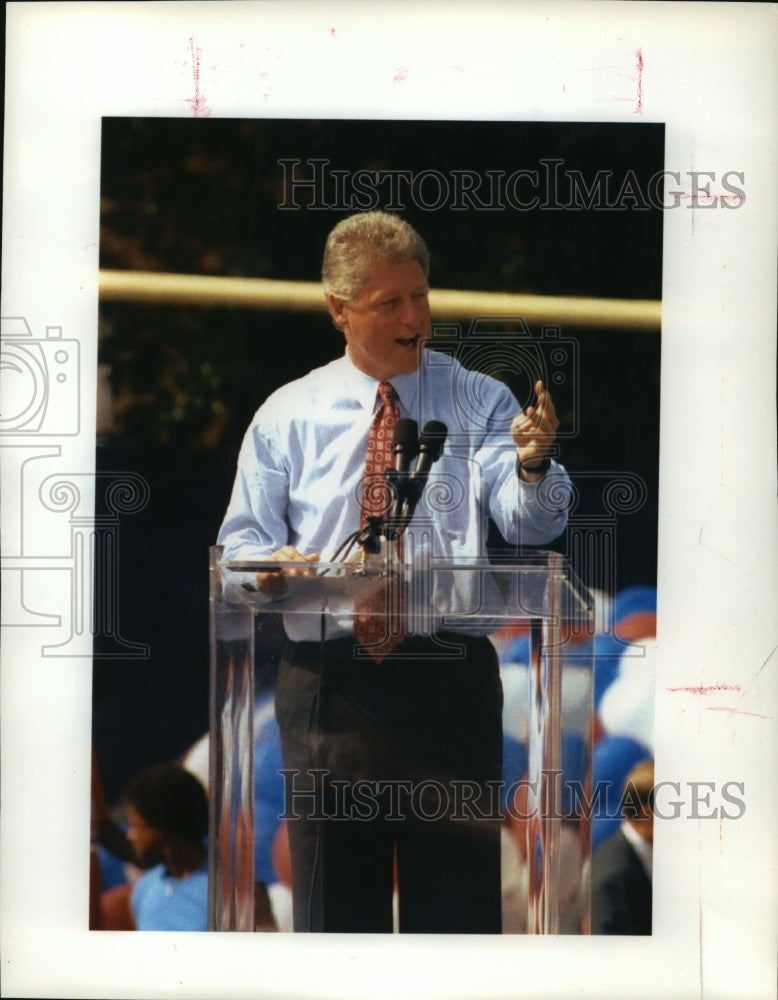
(359, 242)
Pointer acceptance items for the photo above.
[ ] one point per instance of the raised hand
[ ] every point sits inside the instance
(534, 431)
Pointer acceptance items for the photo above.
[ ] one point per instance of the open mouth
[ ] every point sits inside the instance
(407, 341)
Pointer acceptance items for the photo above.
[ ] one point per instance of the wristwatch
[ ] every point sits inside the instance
(537, 470)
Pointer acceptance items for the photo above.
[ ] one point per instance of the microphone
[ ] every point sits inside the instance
(405, 446)
(431, 442)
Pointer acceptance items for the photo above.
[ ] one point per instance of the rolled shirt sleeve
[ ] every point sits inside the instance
(255, 523)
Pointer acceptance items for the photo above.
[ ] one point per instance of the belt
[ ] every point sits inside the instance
(443, 645)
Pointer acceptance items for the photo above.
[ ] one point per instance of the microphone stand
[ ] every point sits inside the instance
(380, 527)
(400, 488)
(403, 493)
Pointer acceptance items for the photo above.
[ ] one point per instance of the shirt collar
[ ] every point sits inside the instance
(641, 847)
(364, 387)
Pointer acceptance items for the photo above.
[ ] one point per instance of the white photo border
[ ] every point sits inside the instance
(709, 72)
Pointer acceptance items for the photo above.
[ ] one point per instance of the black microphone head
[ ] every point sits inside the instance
(433, 437)
(405, 439)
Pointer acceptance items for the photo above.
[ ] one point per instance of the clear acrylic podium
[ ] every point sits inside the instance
(536, 595)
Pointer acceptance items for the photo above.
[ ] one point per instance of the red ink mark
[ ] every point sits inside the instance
(639, 104)
(197, 103)
(332, 32)
(401, 75)
(707, 688)
(736, 711)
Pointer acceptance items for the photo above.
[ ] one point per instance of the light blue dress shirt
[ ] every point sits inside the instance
(301, 465)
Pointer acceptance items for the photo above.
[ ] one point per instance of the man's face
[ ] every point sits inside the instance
(386, 324)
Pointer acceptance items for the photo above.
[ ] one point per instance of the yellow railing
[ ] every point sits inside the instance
(306, 296)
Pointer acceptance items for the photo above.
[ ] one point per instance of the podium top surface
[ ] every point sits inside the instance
(539, 584)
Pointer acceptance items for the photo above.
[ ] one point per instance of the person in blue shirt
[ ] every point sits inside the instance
(167, 816)
(419, 720)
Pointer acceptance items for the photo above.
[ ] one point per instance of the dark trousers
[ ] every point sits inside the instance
(392, 775)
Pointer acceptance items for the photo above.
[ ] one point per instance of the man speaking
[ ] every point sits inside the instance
(377, 704)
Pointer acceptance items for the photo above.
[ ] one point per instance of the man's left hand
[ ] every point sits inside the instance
(534, 431)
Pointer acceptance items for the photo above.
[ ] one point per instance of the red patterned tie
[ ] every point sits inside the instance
(379, 620)
(379, 454)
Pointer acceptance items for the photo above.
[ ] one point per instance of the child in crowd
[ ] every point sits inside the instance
(167, 815)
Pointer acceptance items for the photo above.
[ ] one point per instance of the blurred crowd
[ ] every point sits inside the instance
(149, 853)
